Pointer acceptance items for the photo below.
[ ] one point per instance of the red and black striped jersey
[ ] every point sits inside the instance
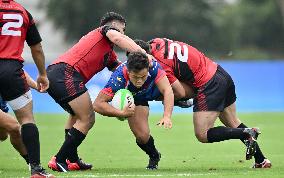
(91, 54)
(183, 62)
(16, 27)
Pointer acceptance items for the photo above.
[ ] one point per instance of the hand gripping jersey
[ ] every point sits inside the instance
(183, 62)
(16, 26)
(148, 92)
(91, 54)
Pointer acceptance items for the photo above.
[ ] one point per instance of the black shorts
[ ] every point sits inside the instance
(65, 84)
(13, 83)
(217, 94)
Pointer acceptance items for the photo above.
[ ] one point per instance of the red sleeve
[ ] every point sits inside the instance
(160, 75)
(108, 91)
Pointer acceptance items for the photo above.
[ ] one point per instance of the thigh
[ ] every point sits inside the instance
(139, 123)
(82, 106)
(229, 116)
(203, 121)
(12, 80)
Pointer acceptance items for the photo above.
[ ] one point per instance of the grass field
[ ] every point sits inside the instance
(111, 148)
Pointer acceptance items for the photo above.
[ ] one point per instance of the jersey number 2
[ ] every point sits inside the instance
(6, 29)
(182, 57)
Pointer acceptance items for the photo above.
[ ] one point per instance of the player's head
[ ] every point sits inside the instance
(138, 68)
(115, 20)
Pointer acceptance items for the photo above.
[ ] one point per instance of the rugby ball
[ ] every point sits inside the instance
(121, 99)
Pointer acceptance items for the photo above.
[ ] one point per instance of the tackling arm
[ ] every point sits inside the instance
(182, 90)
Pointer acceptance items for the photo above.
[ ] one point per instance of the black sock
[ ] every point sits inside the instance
(30, 138)
(66, 133)
(149, 148)
(221, 133)
(69, 147)
(26, 158)
(258, 156)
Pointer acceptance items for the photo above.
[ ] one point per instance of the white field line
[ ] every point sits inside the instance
(139, 175)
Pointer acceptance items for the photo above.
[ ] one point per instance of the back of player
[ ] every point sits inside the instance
(185, 62)
(14, 24)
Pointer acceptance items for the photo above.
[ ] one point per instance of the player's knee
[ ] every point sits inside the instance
(3, 136)
(143, 138)
(14, 131)
(201, 137)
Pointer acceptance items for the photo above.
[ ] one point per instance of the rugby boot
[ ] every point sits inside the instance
(250, 142)
(39, 172)
(57, 166)
(153, 163)
(78, 165)
(265, 164)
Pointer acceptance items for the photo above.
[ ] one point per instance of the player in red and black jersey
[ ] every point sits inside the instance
(192, 74)
(68, 75)
(16, 27)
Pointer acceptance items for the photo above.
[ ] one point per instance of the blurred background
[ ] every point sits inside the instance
(245, 36)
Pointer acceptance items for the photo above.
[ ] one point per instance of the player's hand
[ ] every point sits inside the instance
(42, 83)
(166, 122)
(150, 58)
(128, 110)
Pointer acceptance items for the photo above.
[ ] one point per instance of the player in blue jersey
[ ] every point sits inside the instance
(146, 84)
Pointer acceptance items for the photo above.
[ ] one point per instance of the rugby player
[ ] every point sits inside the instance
(16, 27)
(68, 75)
(146, 84)
(213, 91)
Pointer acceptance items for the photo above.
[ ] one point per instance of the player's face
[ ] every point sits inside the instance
(138, 78)
(118, 25)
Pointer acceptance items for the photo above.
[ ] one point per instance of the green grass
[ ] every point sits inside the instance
(111, 148)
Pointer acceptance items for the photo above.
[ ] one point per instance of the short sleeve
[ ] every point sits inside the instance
(33, 37)
(115, 83)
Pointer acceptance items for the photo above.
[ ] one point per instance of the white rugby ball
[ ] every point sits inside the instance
(121, 99)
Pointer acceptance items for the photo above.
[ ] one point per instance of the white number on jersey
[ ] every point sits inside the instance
(7, 25)
(182, 58)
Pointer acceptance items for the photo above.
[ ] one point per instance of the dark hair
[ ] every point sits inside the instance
(144, 45)
(111, 16)
(137, 61)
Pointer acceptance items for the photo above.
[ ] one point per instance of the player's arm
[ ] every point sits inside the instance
(168, 100)
(101, 105)
(182, 90)
(33, 39)
(125, 43)
(39, 59)
(30, 81)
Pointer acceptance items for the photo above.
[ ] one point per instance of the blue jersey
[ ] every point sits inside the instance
(3, 105)
(149, 90)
